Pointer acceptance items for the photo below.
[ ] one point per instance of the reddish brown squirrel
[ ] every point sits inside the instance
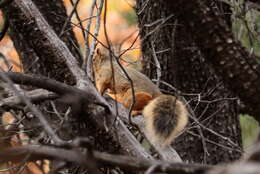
(165, 115)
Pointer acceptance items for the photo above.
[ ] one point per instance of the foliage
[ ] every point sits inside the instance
(250, 130)
(246, 26)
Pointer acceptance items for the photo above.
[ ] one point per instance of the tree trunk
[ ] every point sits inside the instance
(183, 66)
(238, 67)
(35, 59)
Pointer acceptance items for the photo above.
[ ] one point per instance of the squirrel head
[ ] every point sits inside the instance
(100, 57)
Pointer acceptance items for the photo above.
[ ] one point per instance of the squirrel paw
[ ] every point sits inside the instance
(136, 113)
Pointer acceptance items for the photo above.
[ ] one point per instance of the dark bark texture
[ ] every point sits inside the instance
(239, 69)
(35, 59)
(184, 67)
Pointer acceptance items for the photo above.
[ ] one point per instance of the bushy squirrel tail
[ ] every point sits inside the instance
(165, 117)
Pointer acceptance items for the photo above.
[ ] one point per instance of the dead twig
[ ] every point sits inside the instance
(37, 113)
(87, 66)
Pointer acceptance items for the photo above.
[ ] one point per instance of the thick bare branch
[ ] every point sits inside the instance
(35, 96)
(130, 163)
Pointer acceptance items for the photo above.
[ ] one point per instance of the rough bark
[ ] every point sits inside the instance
(239, 69)
(34, 58)
(183, 66)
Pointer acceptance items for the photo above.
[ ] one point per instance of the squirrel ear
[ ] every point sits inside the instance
(98, 51)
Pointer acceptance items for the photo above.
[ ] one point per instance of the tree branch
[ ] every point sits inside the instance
(35, 96)
(130, 163)
(37, 113)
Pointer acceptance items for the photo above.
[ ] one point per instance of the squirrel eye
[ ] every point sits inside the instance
(99, 52)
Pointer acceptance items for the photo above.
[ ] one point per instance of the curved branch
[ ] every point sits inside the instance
(41, 82)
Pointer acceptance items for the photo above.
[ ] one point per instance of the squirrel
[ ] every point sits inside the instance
(165, 116)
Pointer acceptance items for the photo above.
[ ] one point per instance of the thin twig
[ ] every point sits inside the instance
(158, 66)
(6, 61)
(78, 17)
(87, 67)
(38, 114)
(69, 18)
(111, 55)
(87, 31)
(120, 66)
(210, 141)
(215, 133)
